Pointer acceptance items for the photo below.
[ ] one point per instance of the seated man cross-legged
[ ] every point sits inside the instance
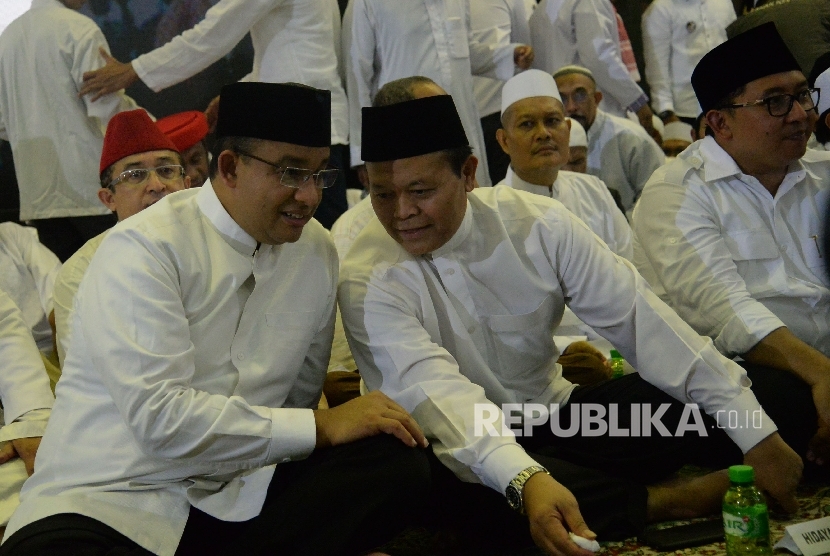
(449, 299)
(185, 421)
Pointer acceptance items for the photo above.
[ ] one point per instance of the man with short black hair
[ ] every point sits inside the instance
(729, 233)
(201, 335)
(449, 299)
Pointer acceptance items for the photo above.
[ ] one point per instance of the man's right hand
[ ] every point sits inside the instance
(553, 511)
(365, 416)
(113, 77)
(777, 470)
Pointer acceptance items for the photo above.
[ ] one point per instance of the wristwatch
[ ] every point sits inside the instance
(665, 114)
(516, 486)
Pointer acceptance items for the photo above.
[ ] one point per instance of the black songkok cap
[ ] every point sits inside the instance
(283, 112)
(411, 128)
(751, 55)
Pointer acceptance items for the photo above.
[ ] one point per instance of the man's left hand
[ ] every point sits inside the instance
(24, 448)
(523, 56)
(111, 78)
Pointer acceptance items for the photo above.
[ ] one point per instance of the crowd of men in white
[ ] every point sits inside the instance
(195, 339)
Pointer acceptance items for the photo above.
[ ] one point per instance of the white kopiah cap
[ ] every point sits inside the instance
(823, 83)
(529, 83)
(578, 136)
(680, 131)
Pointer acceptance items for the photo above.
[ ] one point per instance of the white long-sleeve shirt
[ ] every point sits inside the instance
(676, 35)
(432, 38)
(28, 271)
(501, 23)
(584, 32)
(56, 137)
(195, 362)
(623, 155)
(589, 199)
(735, 262)
(294, 41)
(472, 323)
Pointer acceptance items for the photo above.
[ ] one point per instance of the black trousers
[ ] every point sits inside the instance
(608, 474)
(64, 236)
(342, 500)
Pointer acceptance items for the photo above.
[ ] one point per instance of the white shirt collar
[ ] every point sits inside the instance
(227, 227)
(513, 180)
(460, 235)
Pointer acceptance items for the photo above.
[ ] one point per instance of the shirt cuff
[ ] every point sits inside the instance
(639, 103)
(745, 421)
(743, 331)
(30, 424)
(503, 464)
(293, 435)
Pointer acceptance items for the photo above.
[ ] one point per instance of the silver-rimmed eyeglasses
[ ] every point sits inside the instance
(298, 177)
(168, 173)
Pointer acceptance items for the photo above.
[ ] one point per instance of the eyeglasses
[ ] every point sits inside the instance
(168, 173)
(297, 177)
(781, 105)
(580, 96)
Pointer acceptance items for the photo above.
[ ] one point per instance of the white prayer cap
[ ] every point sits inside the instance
(679, 131)
(578, 136)
(823, 83)
(529, 83)
(571, 69)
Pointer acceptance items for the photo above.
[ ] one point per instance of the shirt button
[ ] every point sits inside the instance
(471, 329)
(451, 271)
(240, 356)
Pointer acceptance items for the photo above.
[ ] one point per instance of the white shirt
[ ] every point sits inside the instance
(294, 41)
(622, 154)
(66, 286)
(676, 35)
(500, 23)
(735, 262)
(584, 32)
(195, 362)
(349, 225)
(432, 38)
(472, 323)
(26, 397)
(28, 270)
(56, 136)
(589, 199)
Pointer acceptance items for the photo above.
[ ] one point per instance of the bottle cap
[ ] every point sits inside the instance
(615, 354)
(741, 474)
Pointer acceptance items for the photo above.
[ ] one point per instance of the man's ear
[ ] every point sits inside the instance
(468, 172)
(501, 137)
(107, 197)
(187, 183)
(827, 119)
(598, 97)
(226, 167)
(718, 123)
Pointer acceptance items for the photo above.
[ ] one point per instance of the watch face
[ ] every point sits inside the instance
(514, 497)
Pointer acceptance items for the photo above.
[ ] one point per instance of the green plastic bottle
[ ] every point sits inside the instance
(617, 364)
(745, 515)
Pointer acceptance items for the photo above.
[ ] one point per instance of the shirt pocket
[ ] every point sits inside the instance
(755, 254)
(813, 248)
(457, 38)
(292, 326)
(522, 342)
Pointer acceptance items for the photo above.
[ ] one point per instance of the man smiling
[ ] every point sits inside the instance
(729, 234)
(201, 336)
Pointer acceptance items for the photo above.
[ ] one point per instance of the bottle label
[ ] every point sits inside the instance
(753, 523)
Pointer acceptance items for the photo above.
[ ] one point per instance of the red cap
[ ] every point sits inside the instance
(185, 129)
(130, 133)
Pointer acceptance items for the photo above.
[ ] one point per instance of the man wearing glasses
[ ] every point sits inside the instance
(139, 166)
(730, 233)
(201, 336)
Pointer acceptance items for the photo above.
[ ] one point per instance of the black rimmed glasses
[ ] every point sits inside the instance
(168, 173)
(296, 178)
(781, 105)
